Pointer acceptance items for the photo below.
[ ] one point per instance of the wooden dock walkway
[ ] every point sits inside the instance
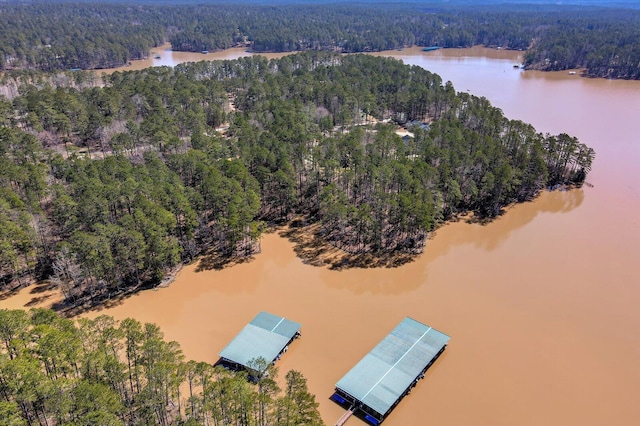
(342, 420)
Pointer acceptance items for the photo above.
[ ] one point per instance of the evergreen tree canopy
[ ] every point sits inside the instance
(107, 188)
(55, 370)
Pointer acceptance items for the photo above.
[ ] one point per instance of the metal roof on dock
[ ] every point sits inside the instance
(385, 373)
(265, 336)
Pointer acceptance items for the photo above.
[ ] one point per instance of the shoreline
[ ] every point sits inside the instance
(242, 50)
(532, 300)
(309, 247)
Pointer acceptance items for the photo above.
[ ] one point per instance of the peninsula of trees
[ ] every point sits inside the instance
(109, 184)
(88, 35)
(56, 371)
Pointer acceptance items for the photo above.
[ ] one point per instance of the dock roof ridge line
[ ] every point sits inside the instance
(421, 323)
(279, 322)
(397, 362)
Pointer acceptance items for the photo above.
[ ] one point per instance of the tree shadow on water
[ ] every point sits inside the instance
(37, 300)
(85, 302)
(217, 261)
(41, 287)
(9, 292)
(37, 288)
(313, 249)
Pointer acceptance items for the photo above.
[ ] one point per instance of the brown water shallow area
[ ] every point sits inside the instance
(541, 304)
(168, 57)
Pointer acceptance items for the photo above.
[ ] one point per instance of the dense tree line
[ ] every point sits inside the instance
(67, 35)
(604, 48)
(88, 35)
(105, 188)
(55, 370)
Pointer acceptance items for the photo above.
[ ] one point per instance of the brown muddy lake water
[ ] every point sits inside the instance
(164, 56)
(541, 304)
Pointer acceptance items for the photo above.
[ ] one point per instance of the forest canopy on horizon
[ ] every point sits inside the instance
(93, 35)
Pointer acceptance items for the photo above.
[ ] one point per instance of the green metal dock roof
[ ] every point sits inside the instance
(265, 336)
(385, 373)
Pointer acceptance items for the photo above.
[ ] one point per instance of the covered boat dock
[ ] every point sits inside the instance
(375, 385)
(267, 336)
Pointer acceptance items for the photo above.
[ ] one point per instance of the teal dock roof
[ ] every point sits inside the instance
(265, 336)
(385, 373)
